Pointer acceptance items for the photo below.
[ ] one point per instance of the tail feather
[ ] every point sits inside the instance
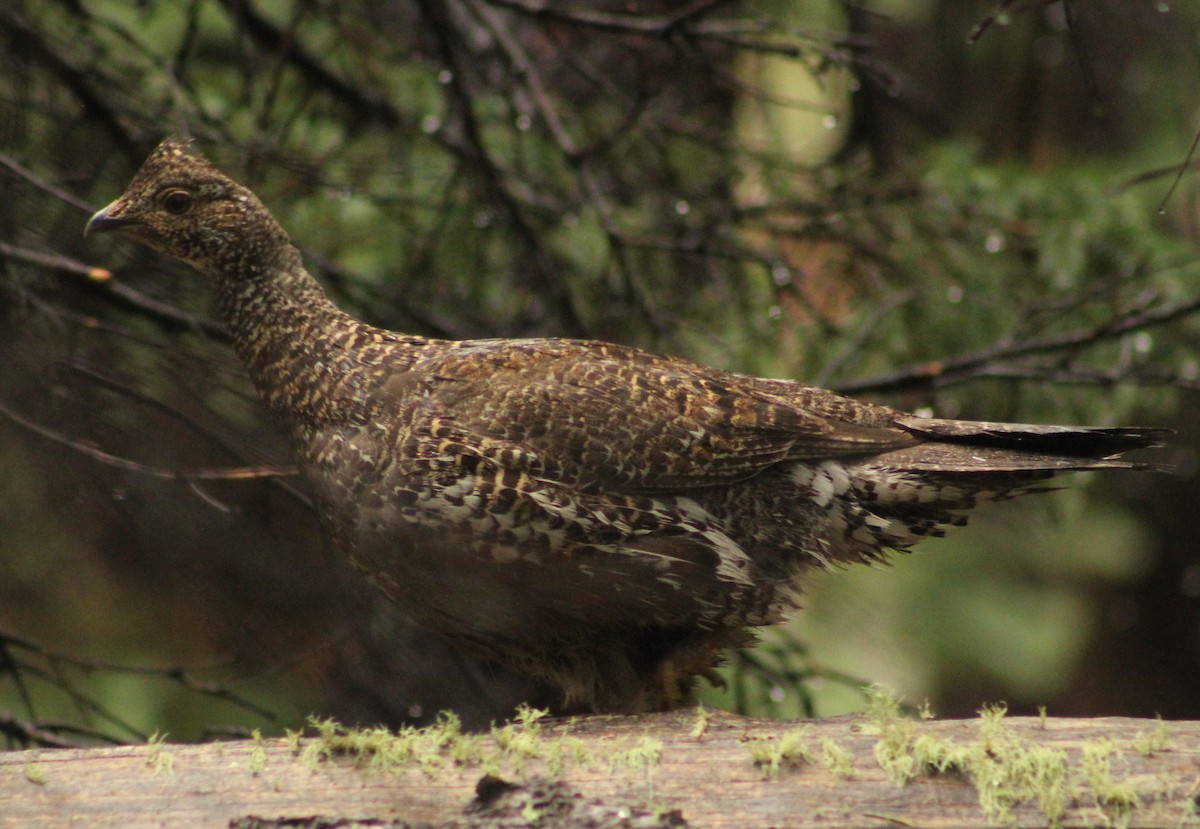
(981, 460)
(1066, 441)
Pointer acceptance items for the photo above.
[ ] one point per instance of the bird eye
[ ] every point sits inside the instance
(177, 202)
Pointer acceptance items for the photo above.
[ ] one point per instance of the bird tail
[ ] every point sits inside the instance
(895, 499)
(1032, 446)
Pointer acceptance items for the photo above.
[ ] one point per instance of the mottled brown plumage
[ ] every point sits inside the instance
(599, 517)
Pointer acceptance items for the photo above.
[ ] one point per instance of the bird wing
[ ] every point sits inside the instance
(617, 419)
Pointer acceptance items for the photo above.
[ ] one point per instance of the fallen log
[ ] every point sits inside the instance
(684, 768)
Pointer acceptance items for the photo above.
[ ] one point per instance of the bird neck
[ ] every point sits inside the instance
(302, 352)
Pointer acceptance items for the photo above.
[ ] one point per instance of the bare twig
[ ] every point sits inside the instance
(40, 183)
(104, 278)
(30, 733)
(239, 473)
(44, 732)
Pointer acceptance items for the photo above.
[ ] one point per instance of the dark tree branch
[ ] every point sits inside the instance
(980, 363)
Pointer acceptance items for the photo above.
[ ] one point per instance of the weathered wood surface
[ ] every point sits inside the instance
(683, 768)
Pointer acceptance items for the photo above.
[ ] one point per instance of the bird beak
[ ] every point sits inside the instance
(103, 221)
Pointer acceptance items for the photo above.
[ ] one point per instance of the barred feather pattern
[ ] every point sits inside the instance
(602, 518)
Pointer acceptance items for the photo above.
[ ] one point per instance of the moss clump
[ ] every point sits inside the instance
(378, 749)
(294, 737)
(519, 740)
(771, 754)
(1116, 800)
(700, 727)
(837, 759)
(1005, 769)
(514, 743)
(1008, 770)
(897, 734)
(34, 772)
(157, 757)
(645, 755)
(1148, 742)
(564, 751)
(257, 761)
(522, 740)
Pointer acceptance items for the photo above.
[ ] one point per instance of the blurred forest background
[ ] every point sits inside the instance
(961, 206)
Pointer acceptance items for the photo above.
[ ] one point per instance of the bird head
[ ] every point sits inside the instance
(182, 206)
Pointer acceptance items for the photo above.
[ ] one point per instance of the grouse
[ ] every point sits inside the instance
(598, 517)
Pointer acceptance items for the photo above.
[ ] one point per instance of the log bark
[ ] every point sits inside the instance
(685, 768)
